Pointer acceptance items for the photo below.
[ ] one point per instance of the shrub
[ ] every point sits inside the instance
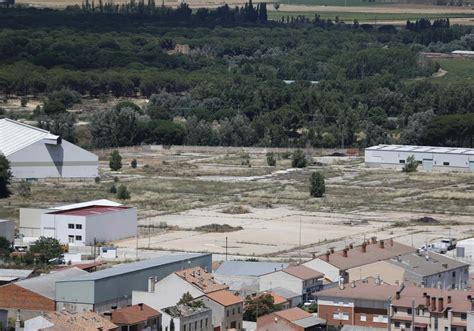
(24, 189)
(411, 164)
(115, 161)
(24, 101)
(113, 189)
(133, 164)
(271, 160)
(317, 185)
(298, 159)
(97, 180)
(123, 193)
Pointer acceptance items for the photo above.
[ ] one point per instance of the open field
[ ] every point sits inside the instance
(459, 71)
(177, 190)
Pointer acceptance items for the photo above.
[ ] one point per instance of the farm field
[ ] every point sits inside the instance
(459, 71)
(180, 192)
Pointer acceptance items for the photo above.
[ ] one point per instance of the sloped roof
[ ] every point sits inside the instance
(303, 272)
(46, 285)
(293, 314)
(16, 273)
(225, 298)
(134, 314)
(363, 289)
(100, 202)
(83, 321)
(285, 293)
(15, 136)
(200, 278)
(246, 268)
(422, 149)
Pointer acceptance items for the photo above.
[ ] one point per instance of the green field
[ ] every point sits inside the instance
(364, 17)
(460, 71)
(356, 2)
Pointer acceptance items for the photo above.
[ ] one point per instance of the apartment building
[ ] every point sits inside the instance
(227, 309)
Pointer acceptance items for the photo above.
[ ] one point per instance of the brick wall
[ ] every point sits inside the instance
(369, 315)
(327, 312)
(16, 297)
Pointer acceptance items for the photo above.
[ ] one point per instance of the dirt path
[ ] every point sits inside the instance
(440, 73)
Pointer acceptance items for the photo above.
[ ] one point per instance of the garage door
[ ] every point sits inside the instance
(428, 164)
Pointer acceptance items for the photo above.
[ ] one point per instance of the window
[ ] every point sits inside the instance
(454, 273)
(233, 311)
(397, 324)
(363, 318)
(380, 319)
(401, 161)
(200, 324)
(445, 163)
(70, 239)
(463, 316)
(195, 325)
(70, 226)
(184, 327)
(407, 325)
(206, 322)
(395, 310)
(78, 237)
(238, 310)
(79, 226)
(338, 315)
(228, 312)
(409, 311)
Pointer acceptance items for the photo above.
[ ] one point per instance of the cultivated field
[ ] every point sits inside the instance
(180, 189)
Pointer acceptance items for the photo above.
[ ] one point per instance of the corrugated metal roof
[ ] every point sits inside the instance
(309, 321)
(422, 149)
(247, 268)
(285, 293)
(15, 136)
(133, 267)
(89, 210)
(100, 202)
(18, 273)
(46, 285)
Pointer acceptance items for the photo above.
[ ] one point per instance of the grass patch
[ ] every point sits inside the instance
(353, 3)
(236, 210)
(219, 228)
(460, 71)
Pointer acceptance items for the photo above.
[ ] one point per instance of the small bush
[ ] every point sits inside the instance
(317, 185)
(116, 179)
(123, 193)
(411, 164)
(97, 180)
(271, 160)
(298, 159)
(24, 189)
(24, 101)
(115, 161)
(133, 164)
(113, 189)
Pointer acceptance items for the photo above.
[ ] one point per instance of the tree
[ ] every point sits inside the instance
(259, 306)
(53, 107)
(113, 189)
(298, 159)
(133, 164)
(411, 164)
(24, 101)
(123, 193)
(317, 186)
(5, 247)
(47, 248)
(24, 189)
(5, 177)
(271, 160)
(115, 161)
(186, 298)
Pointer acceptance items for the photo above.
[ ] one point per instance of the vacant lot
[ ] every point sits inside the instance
(177, 190)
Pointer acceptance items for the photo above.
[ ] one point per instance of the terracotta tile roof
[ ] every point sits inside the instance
(198, 277)
(460, 301)
(293, 314)
(368, 290)
(373, 252)
(85, 321)
(133, 314)
(277, 299)
(225, 298)
(303, 272)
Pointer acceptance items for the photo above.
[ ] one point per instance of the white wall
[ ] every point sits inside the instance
(281, 279)
(41, 160)
(329, 271)
(37, 323)
(57, 226)
(7, 230)
(30, 221)
(167, 293)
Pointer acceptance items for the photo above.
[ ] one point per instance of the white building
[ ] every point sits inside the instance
(30, 218)
(429, 158)
(465, 249)
(186, 318)
(36, 153)
(81, 226)
(7, 230)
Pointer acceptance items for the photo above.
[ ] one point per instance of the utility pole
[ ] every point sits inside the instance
(300, 240)
(226, 248)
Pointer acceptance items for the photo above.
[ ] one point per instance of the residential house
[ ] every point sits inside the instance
(362, 303)
(64, 320)
(227, 309)
(136, 318)
(169, 290)
(293, 299)
(299, 279)
(187, 318)
(340, 264)
(294, 319)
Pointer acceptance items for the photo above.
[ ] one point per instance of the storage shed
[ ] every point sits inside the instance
(429, 158)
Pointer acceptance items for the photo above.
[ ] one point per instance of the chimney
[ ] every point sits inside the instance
(331, 250)
(433, 304)
(374, 240)
(141, 306)
(445, 265)
(427, 303)
(351, 246)
(341, 283)
(327, 255)
(151, 284)
(449, 299)
(364, 247)
(440, 304)
(381, 244)
(397, 295)
(344, 252)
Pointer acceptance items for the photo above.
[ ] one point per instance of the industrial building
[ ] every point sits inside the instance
(429, 158)
(35, 153)
(104, 289)
(30, 218)
(7, 230)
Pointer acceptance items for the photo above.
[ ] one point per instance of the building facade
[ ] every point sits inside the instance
(7, 230)
(35, 153)
(429, 158)
(227, 309)
(186, 318)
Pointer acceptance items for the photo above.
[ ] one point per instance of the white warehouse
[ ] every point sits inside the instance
(36, 153)
(81, 226)
(430, 158)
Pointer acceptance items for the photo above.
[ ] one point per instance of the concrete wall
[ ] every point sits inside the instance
(377, 158)
(7, 230)
(30, 221)
(42, 160)
(281, 279)
(388, 272)
(103, 227)
(117, 290)
(167, 292)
